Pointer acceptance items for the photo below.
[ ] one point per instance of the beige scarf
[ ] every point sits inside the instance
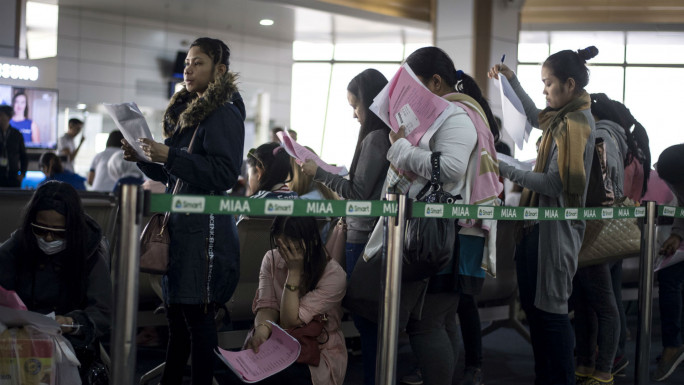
(570, 130)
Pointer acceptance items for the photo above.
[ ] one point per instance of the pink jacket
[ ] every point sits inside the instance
(326, 298)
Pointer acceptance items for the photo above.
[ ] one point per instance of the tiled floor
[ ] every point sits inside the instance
(507, 358)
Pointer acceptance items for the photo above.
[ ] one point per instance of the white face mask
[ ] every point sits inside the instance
(53, 247)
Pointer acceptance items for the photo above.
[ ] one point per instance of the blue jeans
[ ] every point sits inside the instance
(552, 337)
(670, 281)
(367, 328)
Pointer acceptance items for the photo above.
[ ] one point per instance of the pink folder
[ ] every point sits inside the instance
(276, 354)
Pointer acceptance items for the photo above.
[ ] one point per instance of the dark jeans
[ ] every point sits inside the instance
(597, 321)
(469, 318)
(670, 281)
(434, 338)
(552, 336)
(192, 333)
(367, 329)
(616, 277)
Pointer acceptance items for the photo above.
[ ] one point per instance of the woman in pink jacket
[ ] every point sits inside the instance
(297, 282)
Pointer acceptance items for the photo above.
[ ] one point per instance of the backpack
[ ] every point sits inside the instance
(600, 190)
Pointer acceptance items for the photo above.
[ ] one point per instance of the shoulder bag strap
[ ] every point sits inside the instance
(434, 178)
(177, 186)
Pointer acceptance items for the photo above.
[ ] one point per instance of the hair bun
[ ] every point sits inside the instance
(587, 53)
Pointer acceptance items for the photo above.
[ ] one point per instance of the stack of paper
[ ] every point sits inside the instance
(405, 101)
(276, 354)
(302, 154)
(131, 122)
(514, 119)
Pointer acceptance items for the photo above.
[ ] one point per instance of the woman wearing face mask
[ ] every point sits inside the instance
(204, 262)
(57, 261)
(546, 256)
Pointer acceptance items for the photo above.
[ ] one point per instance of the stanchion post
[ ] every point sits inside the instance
(126, 286)
(643, 347)
(393, 240)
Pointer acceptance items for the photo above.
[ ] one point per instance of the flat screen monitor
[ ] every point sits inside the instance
(35, 114)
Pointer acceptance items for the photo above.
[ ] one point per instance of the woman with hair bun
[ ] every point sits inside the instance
(559, 179)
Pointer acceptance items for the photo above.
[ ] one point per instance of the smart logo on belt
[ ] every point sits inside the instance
(435, 211)
(571, 213)
(607, 213)
(485, 212)
(358, 208)
(185, 204)
(669, 211)
(531, 214)
(279, 207)
(640, 212)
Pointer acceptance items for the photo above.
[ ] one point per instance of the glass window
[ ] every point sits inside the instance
(533, 46)
(611, 44)
(309, 96)
(369, 51)
(653, 95)
(302, 50)
(655, 47)
(608, 80)
(341, 128)
(41, 29)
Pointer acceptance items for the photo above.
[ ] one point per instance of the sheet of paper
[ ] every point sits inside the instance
(276, 354)
(661, 262)
(131, 122)
(10, 299)
(514, 119)
(405, 101)
(525, 165)
(16, 318)
(302, 154)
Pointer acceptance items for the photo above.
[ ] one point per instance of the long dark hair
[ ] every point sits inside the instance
(14, 101)
(275, 162)
(637, 139)
(52, 162)
(428, 61)
(365, 86)
(114, 139)
(304, 230)
(64, 199)
(572, 64)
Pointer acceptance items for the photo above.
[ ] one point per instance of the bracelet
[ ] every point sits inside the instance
(291, 287)
(264, 324)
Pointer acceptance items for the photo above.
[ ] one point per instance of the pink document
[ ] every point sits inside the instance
(276, 354)
(10, 299)
(405, 101)
(302, 154)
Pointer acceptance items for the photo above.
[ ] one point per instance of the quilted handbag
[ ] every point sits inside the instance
(607, 240)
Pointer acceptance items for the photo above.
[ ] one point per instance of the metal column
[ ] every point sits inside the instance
(648, 244)
(393, 240)
(126, 286)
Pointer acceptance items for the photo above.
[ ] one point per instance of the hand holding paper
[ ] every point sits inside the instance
(302, 154)
(514, 119)
(131, 122)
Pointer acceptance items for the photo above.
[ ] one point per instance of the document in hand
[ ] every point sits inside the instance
(276, 354)
(525, 165)
(514, 119)
(405, 101)
(302, 154)
(131, 123)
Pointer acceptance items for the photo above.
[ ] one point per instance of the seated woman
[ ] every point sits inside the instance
(52, 168)
(269, 171)
(57, 262)
(297, 282)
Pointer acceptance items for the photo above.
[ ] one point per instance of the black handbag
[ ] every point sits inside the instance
(429, 242)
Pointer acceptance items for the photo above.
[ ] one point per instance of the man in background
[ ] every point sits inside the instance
(66, 145)
(13, 159)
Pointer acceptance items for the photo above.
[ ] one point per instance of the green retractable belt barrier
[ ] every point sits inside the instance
(198, 204)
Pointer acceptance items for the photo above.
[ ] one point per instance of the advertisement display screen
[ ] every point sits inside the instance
(35, 114)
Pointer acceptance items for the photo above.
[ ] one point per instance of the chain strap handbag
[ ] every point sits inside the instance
(155, 239)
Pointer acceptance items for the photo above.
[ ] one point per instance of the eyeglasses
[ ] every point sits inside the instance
(43, 231)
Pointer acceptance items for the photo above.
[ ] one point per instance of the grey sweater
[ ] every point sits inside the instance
(559, 241)
(615, 142)
(367, 184)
